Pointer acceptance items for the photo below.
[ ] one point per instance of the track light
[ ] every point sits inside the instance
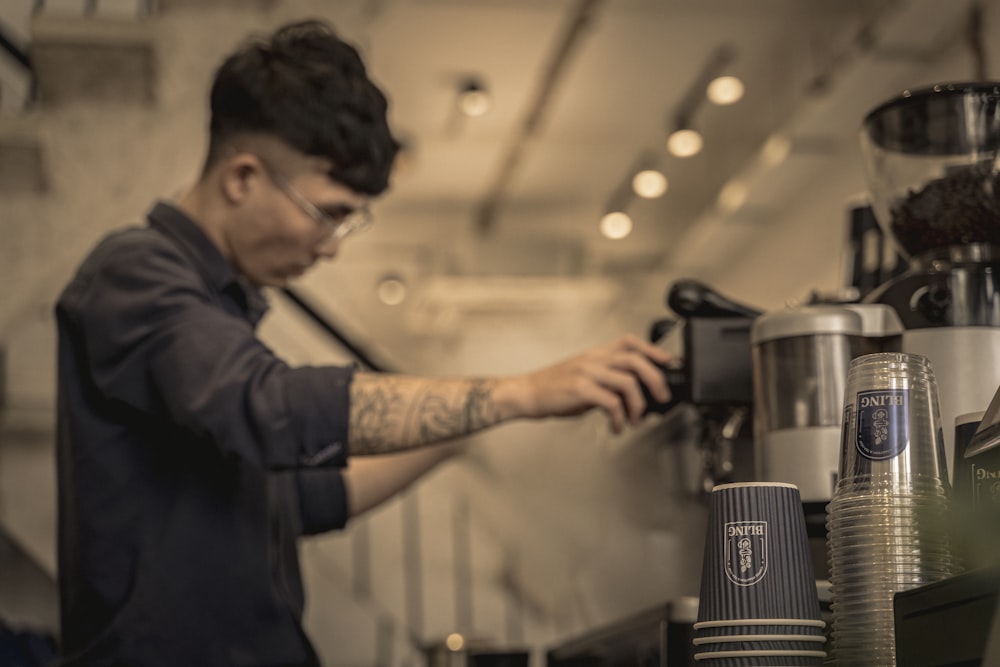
(776, 150)
(724, 90)
(473, 98)
(616, 225)
(732, 196)
(649, 183)
(684, 142)
(391, 290)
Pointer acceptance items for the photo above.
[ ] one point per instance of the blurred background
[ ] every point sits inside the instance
(525, 124)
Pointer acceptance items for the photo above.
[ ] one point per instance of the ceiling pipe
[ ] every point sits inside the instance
(581, 17)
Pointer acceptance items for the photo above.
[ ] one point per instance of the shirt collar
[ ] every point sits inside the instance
(218, 273)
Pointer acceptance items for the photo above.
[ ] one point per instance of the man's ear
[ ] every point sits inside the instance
(238, 176)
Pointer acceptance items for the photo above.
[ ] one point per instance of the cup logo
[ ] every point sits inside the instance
(746, 552)
(882, 430)
(985, 487)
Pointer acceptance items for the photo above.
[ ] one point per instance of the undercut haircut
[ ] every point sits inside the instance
(308, 88)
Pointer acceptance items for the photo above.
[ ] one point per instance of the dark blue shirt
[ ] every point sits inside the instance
(190, 460)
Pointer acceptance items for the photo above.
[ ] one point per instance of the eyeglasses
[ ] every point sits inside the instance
(338, 225)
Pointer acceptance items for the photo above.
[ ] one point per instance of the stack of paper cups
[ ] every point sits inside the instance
(758, 604)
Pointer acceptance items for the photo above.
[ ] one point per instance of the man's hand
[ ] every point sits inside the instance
(606, 377)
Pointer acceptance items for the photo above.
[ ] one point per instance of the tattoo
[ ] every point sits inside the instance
(395, 413)
(373, 414)
(434, 419)
(480, 410)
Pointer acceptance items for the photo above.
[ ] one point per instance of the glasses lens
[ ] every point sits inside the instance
(337, 227)
(354, 222)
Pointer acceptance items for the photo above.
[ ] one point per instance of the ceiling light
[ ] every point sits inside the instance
(649, 184)
(732, 197)
(391, 291)
(616, 225)
(725, 90)
(684, 143)
(473, 98)
(776, 150)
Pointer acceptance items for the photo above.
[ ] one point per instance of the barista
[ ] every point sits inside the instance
(190, 457)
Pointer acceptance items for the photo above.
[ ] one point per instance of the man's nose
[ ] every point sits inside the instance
(328, 248)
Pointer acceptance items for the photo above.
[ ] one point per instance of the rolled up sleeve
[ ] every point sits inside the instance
(323, 431)
(322, 500)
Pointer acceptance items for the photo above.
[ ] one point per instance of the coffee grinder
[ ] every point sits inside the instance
(930, 157)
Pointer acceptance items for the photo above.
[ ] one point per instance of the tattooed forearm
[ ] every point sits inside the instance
(392, 413)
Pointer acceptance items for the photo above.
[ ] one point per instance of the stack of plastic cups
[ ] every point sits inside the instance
(758, 605)
(887, 525)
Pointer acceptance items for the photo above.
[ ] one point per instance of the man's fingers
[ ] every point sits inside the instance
(643, 370)
(621, 387)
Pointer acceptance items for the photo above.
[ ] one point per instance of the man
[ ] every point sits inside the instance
(190, 457)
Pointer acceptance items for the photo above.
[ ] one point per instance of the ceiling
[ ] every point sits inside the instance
(504, 208)
(586, 91)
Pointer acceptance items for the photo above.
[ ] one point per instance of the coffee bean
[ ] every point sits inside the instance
(958, 209)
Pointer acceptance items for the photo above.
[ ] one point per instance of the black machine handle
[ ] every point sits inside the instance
(677, 383)
(698, 303)
(690, 298)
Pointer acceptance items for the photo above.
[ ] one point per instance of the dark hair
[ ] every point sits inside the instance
(305, 86)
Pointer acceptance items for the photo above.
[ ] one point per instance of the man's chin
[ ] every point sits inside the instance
(276, 279)
(261, 282)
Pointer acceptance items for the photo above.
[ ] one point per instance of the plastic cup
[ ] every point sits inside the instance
(892, 438)
(887, 523)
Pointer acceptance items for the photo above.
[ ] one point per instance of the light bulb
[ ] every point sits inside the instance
(391, 291)
(474, 100)
(776, 150)
(725, 90)
(684, 143)
(649, 184)
(616, 225)
(732, 197)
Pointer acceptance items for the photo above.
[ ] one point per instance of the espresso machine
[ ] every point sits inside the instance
(931, 162)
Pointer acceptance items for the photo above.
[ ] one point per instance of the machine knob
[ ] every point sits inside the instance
(660, 328)
(934, 303)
